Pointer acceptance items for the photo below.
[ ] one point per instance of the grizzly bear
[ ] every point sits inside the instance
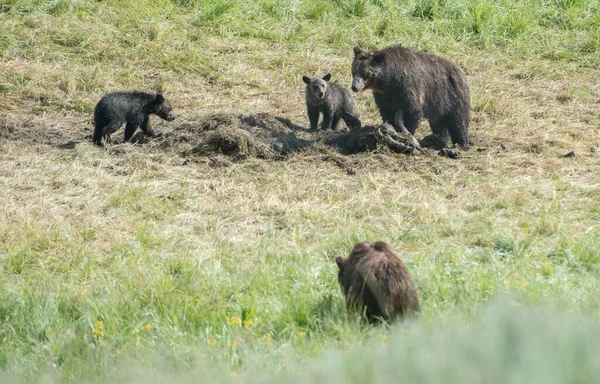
(376, 282)
(409, 85)
(117, 108)
(332, 100)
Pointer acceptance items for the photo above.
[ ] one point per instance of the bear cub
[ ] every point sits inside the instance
(375, 282)
(330, 99)
(409, 85)
(130, 108)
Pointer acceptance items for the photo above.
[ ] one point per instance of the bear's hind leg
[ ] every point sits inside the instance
(459, 132)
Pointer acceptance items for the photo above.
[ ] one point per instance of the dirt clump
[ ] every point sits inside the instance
(271, 137)
(259, 135)
(369, 138)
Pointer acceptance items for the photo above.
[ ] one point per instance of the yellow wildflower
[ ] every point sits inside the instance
(460, 279)
(233, 343)
(248, 324)
(268, 338)
(301, 334)
(137, 331)
(212, 342)
(523, 284)
(148, 327)
(99, 325)
(235, 320)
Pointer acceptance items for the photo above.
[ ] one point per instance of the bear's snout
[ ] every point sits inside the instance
(357, 84)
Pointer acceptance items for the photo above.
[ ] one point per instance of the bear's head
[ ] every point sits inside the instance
(365, 68)
(317, 86)
(162, 108)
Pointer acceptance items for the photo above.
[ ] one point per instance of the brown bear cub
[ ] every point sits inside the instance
(409, 85)
(117, 108)
(330, 99)
(376, 282)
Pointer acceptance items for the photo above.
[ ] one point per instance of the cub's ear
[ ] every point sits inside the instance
(357, 50)
(327, 77)
(339, 261)
(306, 79)
(159, 97)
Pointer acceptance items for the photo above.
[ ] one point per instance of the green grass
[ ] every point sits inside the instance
(122, 265)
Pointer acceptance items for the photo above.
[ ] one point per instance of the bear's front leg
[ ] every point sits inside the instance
(147, 129)
(399, 126)
(313, 117)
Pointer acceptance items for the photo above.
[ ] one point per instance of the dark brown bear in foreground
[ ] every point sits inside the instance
(134, 108)
(376, 282)
(409, 85)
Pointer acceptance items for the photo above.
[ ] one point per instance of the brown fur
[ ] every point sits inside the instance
(376, 282)
(409, 85)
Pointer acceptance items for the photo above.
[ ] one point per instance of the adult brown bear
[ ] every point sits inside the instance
(376, 282)
(409, 85)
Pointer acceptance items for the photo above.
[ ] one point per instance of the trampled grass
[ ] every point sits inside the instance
(137, 263)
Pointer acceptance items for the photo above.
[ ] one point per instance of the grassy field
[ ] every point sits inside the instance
(135, 263)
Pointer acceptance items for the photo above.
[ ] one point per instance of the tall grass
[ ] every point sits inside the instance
(506, 343)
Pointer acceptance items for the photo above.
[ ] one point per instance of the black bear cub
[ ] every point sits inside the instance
(330, 99)
(409, 85)
(117, 108)
(376, 283)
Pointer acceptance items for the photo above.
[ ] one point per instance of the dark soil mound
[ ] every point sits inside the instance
(258, 135)
(266, 136)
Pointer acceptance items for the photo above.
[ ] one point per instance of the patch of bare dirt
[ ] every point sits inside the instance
(55, 131)
(266, 136)
(257, 135)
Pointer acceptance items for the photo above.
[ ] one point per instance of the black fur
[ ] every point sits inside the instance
(133, 108)
(330, 99)
(409, 85)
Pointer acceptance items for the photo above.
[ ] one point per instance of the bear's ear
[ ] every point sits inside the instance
(306, 79)
(339, 261)
(159, 97)
(357, 50)
(327, 77)
(382, 246)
